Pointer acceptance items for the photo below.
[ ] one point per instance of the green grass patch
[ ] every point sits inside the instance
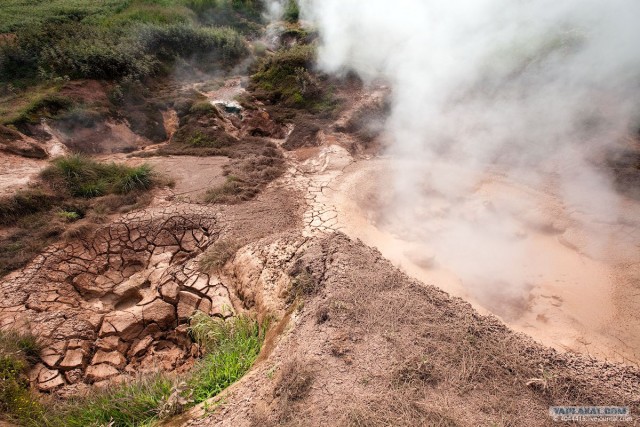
(286, 78)
(83, 177)
(39, 103)
(18, 353)
(137, 403)
(231, 347)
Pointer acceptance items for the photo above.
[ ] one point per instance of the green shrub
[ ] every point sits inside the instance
(285, 77)
(136, 50)
(291, 12)
(180, 40)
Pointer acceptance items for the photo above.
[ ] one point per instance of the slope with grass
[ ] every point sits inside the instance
(230, 349)
(73, 194)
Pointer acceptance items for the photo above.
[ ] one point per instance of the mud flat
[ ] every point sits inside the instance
(567, 278)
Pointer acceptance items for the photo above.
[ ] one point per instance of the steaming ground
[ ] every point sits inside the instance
(549, 282)
(494, 188)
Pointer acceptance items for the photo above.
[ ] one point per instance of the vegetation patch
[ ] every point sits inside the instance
(18, 353)
(218, 255)
(230, 348)
(74, 189)
(83, 177)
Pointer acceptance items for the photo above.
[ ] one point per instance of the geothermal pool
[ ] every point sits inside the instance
(545, 267)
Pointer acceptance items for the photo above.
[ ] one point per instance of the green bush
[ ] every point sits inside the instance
(131, 44)
(285, 76)
(181, 40)
(292, 12)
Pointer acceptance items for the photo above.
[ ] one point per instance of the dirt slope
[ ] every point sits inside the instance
(370, 346)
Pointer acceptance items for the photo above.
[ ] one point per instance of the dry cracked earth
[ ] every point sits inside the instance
(363, 344)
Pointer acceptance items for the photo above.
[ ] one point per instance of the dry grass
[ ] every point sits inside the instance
(218, 255)
(395, 352)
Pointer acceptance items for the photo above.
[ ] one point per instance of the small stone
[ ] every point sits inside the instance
(140, 347)
(159, 312)
(74, 358)
(112, 358)
(73, 376)
(101, 372)
(169, 292)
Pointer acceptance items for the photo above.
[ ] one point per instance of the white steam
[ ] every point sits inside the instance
(530, 90)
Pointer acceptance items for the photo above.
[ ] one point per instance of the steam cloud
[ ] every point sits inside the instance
(531, 90)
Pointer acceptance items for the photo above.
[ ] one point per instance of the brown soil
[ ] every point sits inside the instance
(357, 341)
(373, 347)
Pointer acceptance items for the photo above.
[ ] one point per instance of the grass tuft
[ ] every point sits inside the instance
(83, 177)
(231, 348)
(218, 254)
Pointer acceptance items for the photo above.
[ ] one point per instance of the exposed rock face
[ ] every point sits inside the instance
(113, 305)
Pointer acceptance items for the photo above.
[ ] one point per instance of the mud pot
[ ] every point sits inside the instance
(553, 284)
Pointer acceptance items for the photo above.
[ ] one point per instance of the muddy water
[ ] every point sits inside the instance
(569, 280)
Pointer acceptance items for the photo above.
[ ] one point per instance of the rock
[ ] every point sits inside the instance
(187, 305)
(139, 347)
(122, 323)
(50, 356)
(113, 358)
(108, 343)
(12, 141)
(159, 312)
(74, 358)
(259, 123)
(101, 372)
(49, 379)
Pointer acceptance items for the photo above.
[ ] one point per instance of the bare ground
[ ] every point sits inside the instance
(358, 342)
(368, 346)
